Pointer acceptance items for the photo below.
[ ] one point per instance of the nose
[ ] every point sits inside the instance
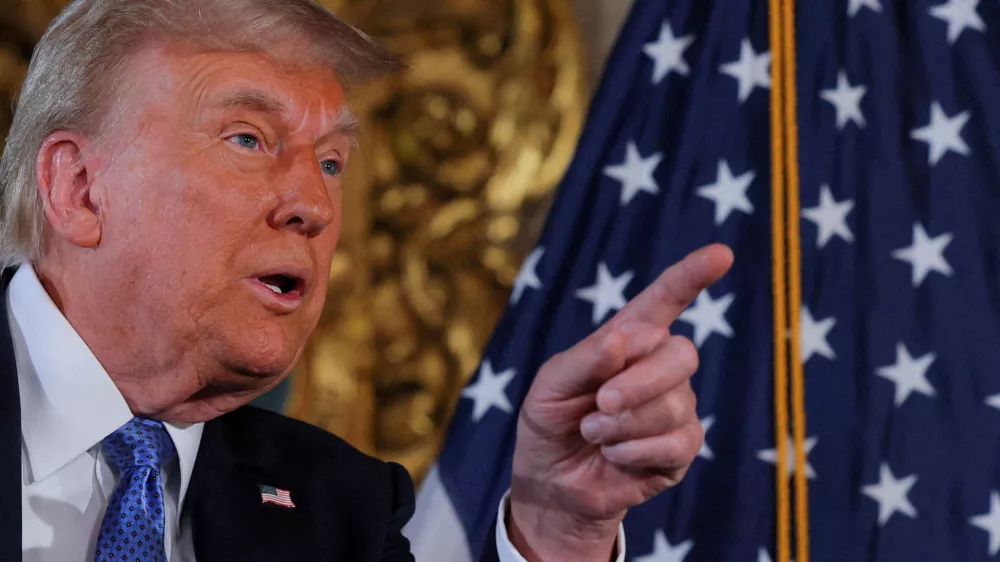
(306, 206)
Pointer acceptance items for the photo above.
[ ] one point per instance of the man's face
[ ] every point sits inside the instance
(221, 209)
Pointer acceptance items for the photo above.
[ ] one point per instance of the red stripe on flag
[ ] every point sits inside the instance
(282, 498)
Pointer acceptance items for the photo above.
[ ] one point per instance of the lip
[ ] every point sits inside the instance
(282, 303)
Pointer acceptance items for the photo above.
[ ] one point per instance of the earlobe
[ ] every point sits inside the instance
(65, 177)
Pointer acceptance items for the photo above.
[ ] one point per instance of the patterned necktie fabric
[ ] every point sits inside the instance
(133, 529)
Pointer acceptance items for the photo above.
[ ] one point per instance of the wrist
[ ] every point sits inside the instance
(542, 535)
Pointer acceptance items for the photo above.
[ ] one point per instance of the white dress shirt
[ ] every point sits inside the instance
(69, 404)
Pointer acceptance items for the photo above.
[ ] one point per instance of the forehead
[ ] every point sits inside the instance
(204, 80)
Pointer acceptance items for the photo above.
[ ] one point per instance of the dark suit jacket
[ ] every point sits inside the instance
(348, 506)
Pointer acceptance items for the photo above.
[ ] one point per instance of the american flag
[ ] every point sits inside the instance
(899, 155)
(270, 494)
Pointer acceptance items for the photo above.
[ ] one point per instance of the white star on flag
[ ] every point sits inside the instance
(960, 14)
(854, 6)
(527, 278)
(750, 70)
(993, 401)
(708, 316)
(830, 217)
(607, 294)
(635, 173)
(908, 374)
(814, 336)
(990, 522)
(728, 193)
(489, 391)
(890, 494)
(942, 134)
(663, 551)
(846, 100)
(771, 456)
(925, 254)
(706, 452)
(667, 53)
(763, 556)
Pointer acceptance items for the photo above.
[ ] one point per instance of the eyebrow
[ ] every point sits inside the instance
(346, 123)
(252, 100)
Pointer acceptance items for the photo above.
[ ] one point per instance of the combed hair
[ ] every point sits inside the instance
(76, 75)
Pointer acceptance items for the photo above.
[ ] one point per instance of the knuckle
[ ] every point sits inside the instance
(680, 407)
(610, 350)
(685, 354)
(670, 453)
(683, 448)
(697, 436)
(694, 437)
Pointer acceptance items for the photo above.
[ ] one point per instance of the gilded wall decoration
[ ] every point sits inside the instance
(444, 198)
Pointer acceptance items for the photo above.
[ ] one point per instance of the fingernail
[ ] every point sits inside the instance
(611, 452)
(609, 401)
(591, 429)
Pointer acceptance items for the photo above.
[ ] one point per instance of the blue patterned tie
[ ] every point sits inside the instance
(133, 525)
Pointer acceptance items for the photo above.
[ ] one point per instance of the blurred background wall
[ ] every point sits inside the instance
(446, 196)
(599, 22)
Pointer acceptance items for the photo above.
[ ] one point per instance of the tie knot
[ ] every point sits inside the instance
(139, 442)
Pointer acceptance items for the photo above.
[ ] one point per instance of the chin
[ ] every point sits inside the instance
(260, 353)
(200, 409)
(226, 391)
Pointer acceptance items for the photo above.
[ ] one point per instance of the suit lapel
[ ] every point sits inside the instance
(10, 436)
(228, 519)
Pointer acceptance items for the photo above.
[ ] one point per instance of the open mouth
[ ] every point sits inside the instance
(281, 289)
(282, 284)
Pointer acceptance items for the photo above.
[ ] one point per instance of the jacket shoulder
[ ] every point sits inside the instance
(348, 505)
(276, 439)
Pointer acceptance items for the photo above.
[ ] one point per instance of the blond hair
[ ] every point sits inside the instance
(76, 75)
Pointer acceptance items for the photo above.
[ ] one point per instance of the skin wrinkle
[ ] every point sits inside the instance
(186, 216)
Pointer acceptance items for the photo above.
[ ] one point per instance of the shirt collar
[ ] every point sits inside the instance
(69, 404)
(187, 440)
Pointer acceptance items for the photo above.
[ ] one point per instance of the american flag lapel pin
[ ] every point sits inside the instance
(277, 496)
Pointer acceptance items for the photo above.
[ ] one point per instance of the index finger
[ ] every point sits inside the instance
(677, 287)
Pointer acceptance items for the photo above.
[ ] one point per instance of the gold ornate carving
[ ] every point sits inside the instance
(443, 200)
(456, 163)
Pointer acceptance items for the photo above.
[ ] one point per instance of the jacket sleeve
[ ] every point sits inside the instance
(397, 547)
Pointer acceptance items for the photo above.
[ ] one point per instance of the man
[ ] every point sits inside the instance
(170, 204)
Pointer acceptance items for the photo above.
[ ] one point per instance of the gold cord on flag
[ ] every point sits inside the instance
(787, 283)
(795, 282)
(782, 500)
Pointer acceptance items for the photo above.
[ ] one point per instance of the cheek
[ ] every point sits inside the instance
(140, 226)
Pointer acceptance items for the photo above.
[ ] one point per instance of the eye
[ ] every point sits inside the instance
(331, 167)
(246, 141)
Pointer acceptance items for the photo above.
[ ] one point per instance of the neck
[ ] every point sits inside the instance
(153, 378)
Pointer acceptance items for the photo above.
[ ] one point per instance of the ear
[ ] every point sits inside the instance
(65, 175)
